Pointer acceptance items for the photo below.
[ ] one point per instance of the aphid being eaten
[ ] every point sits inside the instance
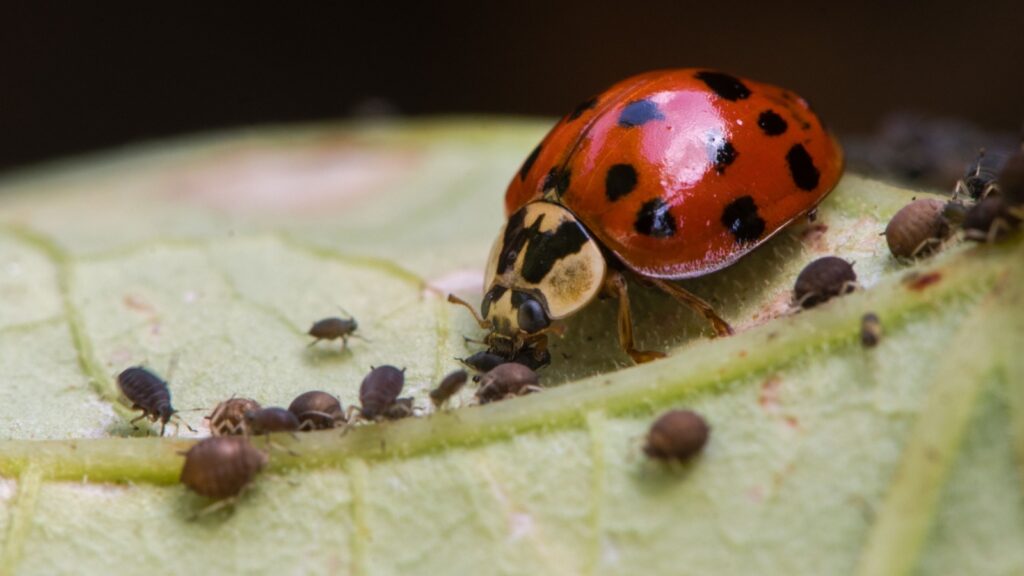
(316, 410)
(822, 280)
(449, 386)
(666, 176)
(228, 418)
(482, 361)
(677, 435)
(270, 420)
(378, 395)
(870, 330)
(334, 328)
(220, 467)
(918, 229)
(149, 393)
(992, 219)
(486, 361)
(507, 380)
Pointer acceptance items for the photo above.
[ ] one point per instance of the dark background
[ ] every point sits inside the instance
(75, 79)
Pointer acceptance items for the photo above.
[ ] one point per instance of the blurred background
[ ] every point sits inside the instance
(907, 85)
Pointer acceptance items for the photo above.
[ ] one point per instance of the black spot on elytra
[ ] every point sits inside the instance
(724, 156)
(726, 86)
(801, 167)
(742, 219)
(492, 296)
(654, 220)
(558, 179)
(619, 181)
(546, 248)
(771, 123)
(528, 163)
(638, 113)
(581, 108)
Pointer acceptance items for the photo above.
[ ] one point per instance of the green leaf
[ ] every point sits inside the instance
(214, 255)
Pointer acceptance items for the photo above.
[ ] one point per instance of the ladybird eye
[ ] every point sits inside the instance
(532, 317)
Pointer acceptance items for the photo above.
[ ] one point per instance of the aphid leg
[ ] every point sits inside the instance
(615, 285)
(136, 419)
(178, 420)
(313, 343)
(698, 305)
(344, 343)
(926, 247)
(213, 507)
(531, 389)
(485, 324)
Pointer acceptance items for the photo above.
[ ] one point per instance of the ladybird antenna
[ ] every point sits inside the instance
(485, 324)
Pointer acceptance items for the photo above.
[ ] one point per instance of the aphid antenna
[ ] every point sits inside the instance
(345, 312)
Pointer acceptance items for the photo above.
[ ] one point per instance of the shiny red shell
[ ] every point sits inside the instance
(681, 172)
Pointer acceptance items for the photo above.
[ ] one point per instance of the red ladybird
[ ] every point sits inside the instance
(667, 175)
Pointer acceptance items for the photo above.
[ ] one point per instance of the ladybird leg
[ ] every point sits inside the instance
(721, 327)
(615, 284)
(486, 325)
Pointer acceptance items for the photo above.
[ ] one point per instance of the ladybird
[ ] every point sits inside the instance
(668, 175)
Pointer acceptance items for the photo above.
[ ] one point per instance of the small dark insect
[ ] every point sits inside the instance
(449, 386)
(228, 418)
(316, 410)
(676, 435)
(824, 279)
(269, 420)
(918, 229)
(981, 178)
(378, 394)
(220, 467)
(332, 329)
(149, 393)
(992, 219)
(483, 361)
(510, 379)
(870, 330)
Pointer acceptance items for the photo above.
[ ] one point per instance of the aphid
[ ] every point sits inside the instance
(870, 330)
(991, 219)
(378, 394)
(149, 393)
(220, 467)
(980, 180)
(665, 176)
(483, 361)
(334, 328)
(822, 280)
(228, 418)
(270, 420)
(449, 386)
(510, 379)
(316, 410)
(918, 229)
(676, 435)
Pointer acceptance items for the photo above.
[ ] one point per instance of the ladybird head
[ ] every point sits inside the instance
(544, 266)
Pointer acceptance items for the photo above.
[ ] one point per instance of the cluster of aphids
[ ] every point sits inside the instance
(987, 205)
(219, 467)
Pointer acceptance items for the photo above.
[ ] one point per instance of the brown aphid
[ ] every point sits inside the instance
(149, 393)
(379, 392)
(509, 379)
(220, 467)
(676, 435)
(992, 219)
(317, 410)
(270, 420)
(918, 229)
(228, 418)
(449, 386)
(870, 330)
(824, 279)
(332, 329)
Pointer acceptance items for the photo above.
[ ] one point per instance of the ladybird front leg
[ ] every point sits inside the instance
(615, 285)
(698, 305)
